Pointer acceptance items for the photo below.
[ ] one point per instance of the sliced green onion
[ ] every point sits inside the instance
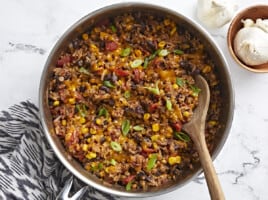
(127, 94)
(138, 128)
(146, 62)
(82, 109)
(108, 84)
(168, 104)
(195, 90)
(116, 146)
(163, 52)
(182, 136)
(113, 162)
(125, 127)
(152, 161)
(125, 52)
(178, 51)
(113, 28)
(154, 90)
(100, 166)
(151, 57)
(136, 63)
(83, 70)
(128, 186)
(103, 112)
(180, 82)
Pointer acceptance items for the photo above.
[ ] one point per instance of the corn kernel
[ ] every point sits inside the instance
(99, 121)
(84, 130)
(71, 101)
(56, 103)
(85, 36)
(92, 131)
(138, 52)
(175, 86)
(155, 127)
(155, 145)
(212, 123)
(84, 147)
(146, 116)
(186, 114)
(166, 22)
(63, 122)
(94, 48)
(82, 120)
(173, 31)
(174, 160)
(91, 155)
(206, 69)
(88, 140)
(161, 44)
(154, 137)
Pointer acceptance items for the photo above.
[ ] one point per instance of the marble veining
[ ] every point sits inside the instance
(28, 31)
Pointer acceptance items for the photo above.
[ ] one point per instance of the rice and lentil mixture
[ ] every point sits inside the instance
(120, 93)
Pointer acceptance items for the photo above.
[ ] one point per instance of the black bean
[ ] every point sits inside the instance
(82, 88)
(104, 88)
(102, 140)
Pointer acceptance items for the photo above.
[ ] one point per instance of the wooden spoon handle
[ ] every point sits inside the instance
(215, 190)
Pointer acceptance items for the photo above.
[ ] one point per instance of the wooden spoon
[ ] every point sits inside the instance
(196, 130)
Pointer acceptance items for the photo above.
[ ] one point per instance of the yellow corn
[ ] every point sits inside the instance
(85, 36)
(71, 101)
(92, 131)
(138, 52)
(94, 48)
(155, 127)
(56, 103)
(63, 122)
(161, 44)
(91, 155)
(84, 130)
(99, 121)
(155, 145)
(84, 147)
(212, 123)
(88, 140)
(175, 86)
(154, 137)
(166, 22)
(146, 116)
(174, 160)
(206, 69)
(82, 120)
(173, 31)
(186, 114)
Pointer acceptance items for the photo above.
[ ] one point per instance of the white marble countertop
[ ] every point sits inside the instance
(30, 28)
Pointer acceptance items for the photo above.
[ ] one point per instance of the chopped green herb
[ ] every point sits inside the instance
(138, 128)
(168, 104)
(180, 82)
(125, 127)
(116, 146)
(128, 186)
(182, 136)
(113, 28)
(100, 166)
(154, 90)
(163, 52)
(178, 51)
(127, 94)
(195, 90)
(113, 162)
(103, 112)
(84, 71)
(108, 84)
(125, 52)
(82, 109)
(136, 63)
(151, 57)
(152, 161)
(146, 62)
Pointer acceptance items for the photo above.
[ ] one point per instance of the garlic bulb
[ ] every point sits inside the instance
(251, 42)
(215, 14)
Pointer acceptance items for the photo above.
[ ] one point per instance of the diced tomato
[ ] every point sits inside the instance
(64, 60)
(177, 126)
(120, 72)
(153, 107)
(110, 45)
(128, 179)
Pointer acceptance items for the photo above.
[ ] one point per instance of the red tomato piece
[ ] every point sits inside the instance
(110, 45)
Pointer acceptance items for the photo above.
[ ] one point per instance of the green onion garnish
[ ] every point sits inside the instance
(182, 136)
(128, 186)
(83, 70)
(103, 112)
(125, 127)
(168, 104)
(163, 52)
(108, 84)
(138, 128)
(195, 90)
(152, 161)
(127, 94)
(180, 82)
(136, 63)
(154, 90)
(146, 62)
(178, 51)
(116, 146)
(125, 52)
(113, 162)
(113, 28)
(82, 109)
